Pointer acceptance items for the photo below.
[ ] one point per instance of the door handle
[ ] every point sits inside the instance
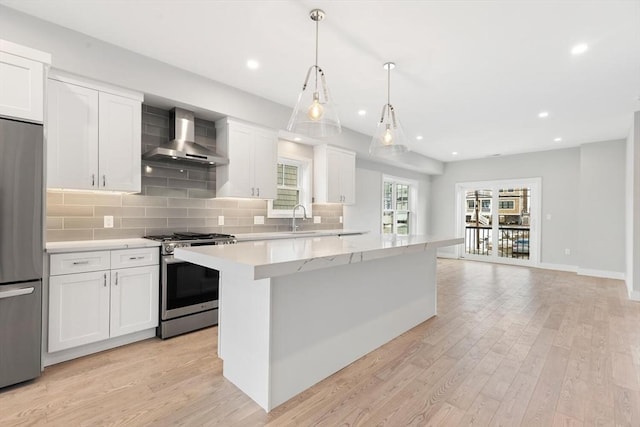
(16, 292)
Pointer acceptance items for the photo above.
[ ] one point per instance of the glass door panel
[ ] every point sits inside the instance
(478, 220)
(514, 206)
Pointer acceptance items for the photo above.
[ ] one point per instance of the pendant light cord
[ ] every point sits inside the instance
(316, 73)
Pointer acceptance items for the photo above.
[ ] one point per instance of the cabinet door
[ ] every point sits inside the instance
(348, 178)
(134, 299)
(238, 179)
(78, 309)
(72, 136)
(265, 159)
(21, 88)
(120, 145)
(334, 186)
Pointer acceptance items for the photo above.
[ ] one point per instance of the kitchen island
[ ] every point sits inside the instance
(295, 311)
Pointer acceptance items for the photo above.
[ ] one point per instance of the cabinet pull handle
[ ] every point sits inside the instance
(136, 257)
(104, 180)
(93, 179)
(258, 192)
(80, 262)
(253, 191)
(116, 278)
(105, 279)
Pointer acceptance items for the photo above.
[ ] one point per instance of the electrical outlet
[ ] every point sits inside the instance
(548, 217)
(221, 220)
(340, 220)
(108, 221)
(258, 219)
(317, 219)
(567, 251)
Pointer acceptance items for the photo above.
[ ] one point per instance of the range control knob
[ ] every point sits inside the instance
(168, 248)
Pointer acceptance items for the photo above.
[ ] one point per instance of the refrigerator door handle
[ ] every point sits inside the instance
(16, 292)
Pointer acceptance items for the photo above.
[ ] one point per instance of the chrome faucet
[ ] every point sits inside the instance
(304, 216)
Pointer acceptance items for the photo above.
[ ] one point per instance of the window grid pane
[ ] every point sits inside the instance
(287, 199)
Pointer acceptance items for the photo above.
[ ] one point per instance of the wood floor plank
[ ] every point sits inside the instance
(511, 346)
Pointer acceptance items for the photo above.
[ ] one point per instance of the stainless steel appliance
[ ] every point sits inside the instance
(188, 292)
(21, 250)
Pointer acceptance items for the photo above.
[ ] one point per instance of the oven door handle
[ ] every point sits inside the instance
(172, 260)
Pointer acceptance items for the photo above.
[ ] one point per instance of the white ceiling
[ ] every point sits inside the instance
(471, 76)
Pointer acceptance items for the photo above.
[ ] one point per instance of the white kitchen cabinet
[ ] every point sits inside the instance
(90, 306)
(334, 175)
(78, 309)
(94, 136)
(22, 74)
(134, 299)
(253, 156)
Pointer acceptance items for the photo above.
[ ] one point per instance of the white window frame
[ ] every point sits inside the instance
(305, 170)
(413, 198)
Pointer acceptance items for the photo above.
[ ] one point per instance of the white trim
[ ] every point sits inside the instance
(49, 359)
(558, 267)
(634, 296)
(601, 273)
(65, 77)
(25, 52)
(305, 165)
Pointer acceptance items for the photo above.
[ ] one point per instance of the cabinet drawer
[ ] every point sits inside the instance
(79, 262)
(125, 258)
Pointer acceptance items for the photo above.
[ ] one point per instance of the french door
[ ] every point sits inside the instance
(499, 221)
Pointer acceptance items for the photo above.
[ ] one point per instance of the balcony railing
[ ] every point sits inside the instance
(513, 242)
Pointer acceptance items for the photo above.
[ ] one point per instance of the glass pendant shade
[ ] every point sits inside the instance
(314, 114)
(389, 138)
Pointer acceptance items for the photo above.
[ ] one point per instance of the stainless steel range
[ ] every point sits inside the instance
(188, 292)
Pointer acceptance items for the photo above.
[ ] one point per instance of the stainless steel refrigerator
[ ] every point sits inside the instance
(21, 250)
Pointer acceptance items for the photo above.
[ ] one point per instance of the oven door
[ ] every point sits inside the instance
(187, 288)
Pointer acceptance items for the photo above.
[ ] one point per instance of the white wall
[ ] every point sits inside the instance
(365, 214)
(559, 170)
(633, 210)
(601, 214)
(89, 57)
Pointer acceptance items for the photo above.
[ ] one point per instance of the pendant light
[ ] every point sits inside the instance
(389, 138)
(314, 114)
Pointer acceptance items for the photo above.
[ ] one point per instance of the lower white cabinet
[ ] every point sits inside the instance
(94, 306)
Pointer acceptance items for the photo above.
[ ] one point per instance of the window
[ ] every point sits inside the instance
(486, 205)
(294, 187)
(506, 204)
(471, 204)
(396, 202)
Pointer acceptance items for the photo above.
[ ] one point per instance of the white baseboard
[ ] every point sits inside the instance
(634, 296)
(601, 273)
(558, 267)
(73, 353)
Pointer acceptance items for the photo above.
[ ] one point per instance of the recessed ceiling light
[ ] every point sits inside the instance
(455, 153)
(419, 137)
(543, 114)
(252, 64)
(558, 139)
(579, 49)
(362, 112)
(297, 139)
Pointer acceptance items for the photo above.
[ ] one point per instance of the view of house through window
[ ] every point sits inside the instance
(396, 208)
(288, 186)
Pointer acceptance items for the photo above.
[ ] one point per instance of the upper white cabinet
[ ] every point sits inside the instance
(94, 136)
(334, 171)
(253, 156)
(22, 74)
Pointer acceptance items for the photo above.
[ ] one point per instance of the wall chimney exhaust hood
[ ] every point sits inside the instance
(182, 146)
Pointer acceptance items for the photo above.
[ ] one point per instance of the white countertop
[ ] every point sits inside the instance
(245, 237)
(97, 245)
(271, 258)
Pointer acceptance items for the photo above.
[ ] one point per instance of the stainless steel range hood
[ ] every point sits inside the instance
(182, 146)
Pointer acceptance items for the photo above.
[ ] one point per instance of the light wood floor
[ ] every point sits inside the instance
(511, 346)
